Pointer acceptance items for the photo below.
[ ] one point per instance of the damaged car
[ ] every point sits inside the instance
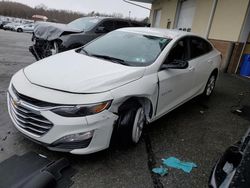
(76, 101)
(51, 38)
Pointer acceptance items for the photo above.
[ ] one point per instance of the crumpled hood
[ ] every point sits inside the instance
(51, 31)
(73, 72)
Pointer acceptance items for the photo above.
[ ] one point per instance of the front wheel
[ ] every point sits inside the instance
(19, 30)
(130, 125)
(138, 125)
(210, 86)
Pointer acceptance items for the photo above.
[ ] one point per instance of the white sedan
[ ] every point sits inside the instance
(28, 28)
(77, 100)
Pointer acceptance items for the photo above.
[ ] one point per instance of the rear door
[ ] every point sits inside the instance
(201, 60)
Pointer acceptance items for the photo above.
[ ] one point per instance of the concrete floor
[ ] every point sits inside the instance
(199, 131)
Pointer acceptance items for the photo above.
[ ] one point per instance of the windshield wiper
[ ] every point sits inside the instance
(84, 51)
(113, 59)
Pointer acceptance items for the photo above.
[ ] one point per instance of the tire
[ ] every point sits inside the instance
(130, 125)
(209, 86)
(19, 30)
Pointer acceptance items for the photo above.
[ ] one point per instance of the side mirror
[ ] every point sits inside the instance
(176, 64)
(101, 29)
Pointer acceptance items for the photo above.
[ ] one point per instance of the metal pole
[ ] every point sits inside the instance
(136, 4)
(211, 18)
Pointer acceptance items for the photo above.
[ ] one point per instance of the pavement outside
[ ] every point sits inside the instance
(198, 131)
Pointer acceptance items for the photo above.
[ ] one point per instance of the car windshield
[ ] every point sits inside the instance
(84, 24)
(128, 48)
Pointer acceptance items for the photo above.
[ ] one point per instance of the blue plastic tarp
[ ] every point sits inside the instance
(176, 163)
(161, 171)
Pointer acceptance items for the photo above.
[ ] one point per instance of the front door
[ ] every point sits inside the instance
(175, 84)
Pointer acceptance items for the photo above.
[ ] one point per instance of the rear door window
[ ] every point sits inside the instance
(121, 24)
(199, 47)
(108, 25)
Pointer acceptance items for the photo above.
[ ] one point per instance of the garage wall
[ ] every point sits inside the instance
(168, 12)
(246, 27)
(228, 19)
(201, 17)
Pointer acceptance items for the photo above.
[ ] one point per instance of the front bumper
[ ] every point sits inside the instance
(41, 48)
(100, 124)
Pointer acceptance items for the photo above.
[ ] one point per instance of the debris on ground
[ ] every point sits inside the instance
(202, 112)
(244, 112)
(242, 107)
(4, 138)
(176, 163)
(161, 171)
(239, 111)
(236, 110)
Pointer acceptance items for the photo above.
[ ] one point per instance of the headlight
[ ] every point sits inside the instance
(81, 110)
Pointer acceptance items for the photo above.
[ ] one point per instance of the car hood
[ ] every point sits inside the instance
(51, 31)
(77, 73)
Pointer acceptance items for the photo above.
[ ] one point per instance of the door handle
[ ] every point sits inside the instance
(210, 61)
(191, 68)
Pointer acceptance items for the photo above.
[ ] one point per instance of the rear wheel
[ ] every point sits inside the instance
(130, 125)
(210, 86)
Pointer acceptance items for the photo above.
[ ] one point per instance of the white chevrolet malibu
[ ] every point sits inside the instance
(77, 100)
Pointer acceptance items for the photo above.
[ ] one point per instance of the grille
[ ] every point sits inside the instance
(28, 119)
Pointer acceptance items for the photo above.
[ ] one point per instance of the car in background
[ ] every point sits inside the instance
(233, 168)
(28, 28)
(76, 101)
(52, 38)
(3, 23)
(7, 26)
(11, 26)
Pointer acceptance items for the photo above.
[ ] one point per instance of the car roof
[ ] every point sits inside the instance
(110, 18)
(159, 32)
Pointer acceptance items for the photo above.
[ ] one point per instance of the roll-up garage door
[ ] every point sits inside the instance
(157, 18)
(186, 15)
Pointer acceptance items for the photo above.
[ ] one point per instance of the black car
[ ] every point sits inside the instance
(233, 168)
(51, 38)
